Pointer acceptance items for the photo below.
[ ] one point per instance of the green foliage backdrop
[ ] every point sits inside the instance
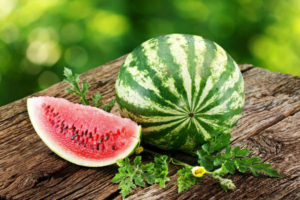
(39, 37)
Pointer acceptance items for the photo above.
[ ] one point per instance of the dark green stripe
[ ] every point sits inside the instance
(211, 130)
(179, 139)
(173, 69)
(196, 135)
(138, 111)
(205, 72)
(158, 123)
(223, 118)
(161, 133)
(191, 62)
(128, 81)
(173, 140)
(140, 60)
(225, 77)
(223, 98)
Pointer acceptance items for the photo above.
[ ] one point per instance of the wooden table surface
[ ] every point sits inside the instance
(270, 128)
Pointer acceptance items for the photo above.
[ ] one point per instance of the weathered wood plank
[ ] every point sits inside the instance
(269, 127)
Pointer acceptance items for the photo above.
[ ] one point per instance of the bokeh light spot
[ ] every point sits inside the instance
(109, 24)
(43, 53)
(6, 6)
(43, 34)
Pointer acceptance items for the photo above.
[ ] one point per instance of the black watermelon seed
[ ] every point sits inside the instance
(106, 137)
(86, 132)
(73, 128)
(113, 147)
(73, 137)
(84, 144)
(98, 147)
(91, 135)
(61, 130)
(56, 114)
(82, 134)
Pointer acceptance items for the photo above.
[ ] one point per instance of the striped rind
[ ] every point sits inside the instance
(167, 78)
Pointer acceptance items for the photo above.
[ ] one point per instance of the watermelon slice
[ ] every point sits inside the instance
(83, 135)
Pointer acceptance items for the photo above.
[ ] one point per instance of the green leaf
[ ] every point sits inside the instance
(109, 106)
(96, 98)
(137, 161)
(206, 148)
(238, 152)
(229, 164)
(126, 186)
(68, 73)
(139, 180)
(130, 176)
(70, 90)
(205, 160)
(118, 177)
(220, 142)
(73, 79)
(186, 179)
(148, 170)
(85, 87)
(221, 171)
(264, 168)
(161, 170)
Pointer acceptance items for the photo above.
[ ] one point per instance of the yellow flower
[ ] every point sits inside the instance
(198, 171)
(139, 150)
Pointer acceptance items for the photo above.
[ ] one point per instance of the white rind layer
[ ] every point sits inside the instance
(33, 107)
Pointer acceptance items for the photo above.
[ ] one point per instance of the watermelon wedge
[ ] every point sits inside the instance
(83, 135)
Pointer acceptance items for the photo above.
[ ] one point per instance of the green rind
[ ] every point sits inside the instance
(166, 78)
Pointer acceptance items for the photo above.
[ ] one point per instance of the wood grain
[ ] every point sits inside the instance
(270, 128)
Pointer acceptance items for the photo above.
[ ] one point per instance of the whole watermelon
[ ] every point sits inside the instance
(183, 90)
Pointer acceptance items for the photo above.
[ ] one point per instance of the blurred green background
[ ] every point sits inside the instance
(39, 37)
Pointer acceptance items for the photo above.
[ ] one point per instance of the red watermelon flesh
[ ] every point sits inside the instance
(81, 134)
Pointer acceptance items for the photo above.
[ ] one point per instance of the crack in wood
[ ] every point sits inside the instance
(268, 125)
(246, 67)
(12, 117)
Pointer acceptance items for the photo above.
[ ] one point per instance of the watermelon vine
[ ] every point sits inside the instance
(73, 80)
(216, 158)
